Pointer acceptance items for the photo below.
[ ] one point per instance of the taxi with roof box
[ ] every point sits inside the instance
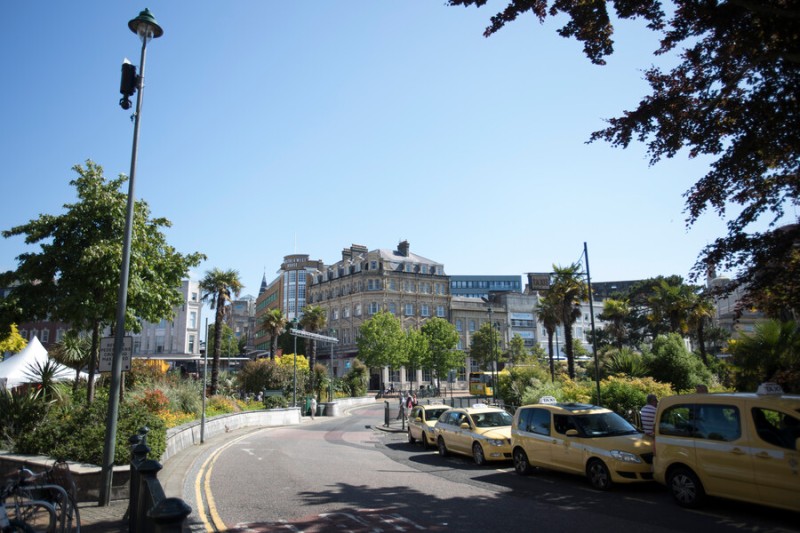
(580, 439)
(421, 420)
(480, 431)
(741, 446)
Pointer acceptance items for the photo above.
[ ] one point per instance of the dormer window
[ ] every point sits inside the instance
(373, 265)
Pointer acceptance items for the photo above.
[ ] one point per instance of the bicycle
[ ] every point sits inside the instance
(36, 494)
(24, 515)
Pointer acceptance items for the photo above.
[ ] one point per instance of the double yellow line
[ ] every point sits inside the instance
(202, 490)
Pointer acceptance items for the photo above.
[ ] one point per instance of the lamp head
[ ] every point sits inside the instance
(145, 26)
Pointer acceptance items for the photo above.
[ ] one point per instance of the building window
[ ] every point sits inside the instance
(346, 312)
(358, 310)
(425, 310)
(471, 326)
(440, 311)
(194, 297)
(393, 308)
(373, 308)
(336, 314)
(409, 311)
(45, 335)
(459, 326)
(392, 285)
(191, 343)
(193, 320)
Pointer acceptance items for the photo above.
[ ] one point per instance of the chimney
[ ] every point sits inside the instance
(403, 248)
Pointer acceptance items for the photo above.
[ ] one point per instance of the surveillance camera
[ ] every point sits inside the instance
(125, 103)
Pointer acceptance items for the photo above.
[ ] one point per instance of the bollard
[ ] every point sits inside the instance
(386, 414)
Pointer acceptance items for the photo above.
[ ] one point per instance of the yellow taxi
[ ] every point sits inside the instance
(479, 431)
(421, 420)
(742, 446)
(580, 439)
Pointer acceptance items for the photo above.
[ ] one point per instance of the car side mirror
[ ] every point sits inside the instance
(572, 433)
(464, 425)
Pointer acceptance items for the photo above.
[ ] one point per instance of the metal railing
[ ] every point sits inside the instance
(149, 510)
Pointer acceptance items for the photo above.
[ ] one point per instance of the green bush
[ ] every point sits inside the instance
(275, 402)
(20, 413)
(77, 432)
(356, 379)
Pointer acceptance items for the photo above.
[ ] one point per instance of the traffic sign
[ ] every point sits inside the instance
(107, 353)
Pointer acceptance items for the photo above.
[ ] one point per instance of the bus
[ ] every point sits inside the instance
(480, 383)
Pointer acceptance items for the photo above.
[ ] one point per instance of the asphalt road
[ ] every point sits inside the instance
(342, 474)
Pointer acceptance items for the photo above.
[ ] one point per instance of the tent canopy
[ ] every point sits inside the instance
(20, 368)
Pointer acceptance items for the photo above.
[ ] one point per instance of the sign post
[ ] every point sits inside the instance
(107, 353)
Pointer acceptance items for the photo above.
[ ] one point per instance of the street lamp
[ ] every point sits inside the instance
(146, 27)
(294, 388)
(494, 351)
(333, 374)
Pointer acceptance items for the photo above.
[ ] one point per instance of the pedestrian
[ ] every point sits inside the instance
(648, 414)
(401, 413)
(701, 388)
(313, 406)
(414, 401)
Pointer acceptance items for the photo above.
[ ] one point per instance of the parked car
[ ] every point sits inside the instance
(581, 439)
(479, 431)
(421, 420)
(741, 446)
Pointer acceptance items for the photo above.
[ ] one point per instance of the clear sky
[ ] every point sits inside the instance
(271, 128)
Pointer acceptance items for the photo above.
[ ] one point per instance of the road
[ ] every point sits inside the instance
(342, 474)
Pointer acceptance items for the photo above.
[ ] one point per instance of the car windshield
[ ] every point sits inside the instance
(604, 425)
(492, 419)
(433, 414)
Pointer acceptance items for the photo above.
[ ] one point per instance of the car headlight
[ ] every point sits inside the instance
(496, 442)
(625, 457)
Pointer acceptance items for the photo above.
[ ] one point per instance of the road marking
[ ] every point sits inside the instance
(203, 488)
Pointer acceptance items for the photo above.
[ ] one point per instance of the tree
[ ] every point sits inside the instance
(218, 289)
(568, 290)
(416, 349)
(701, 312)
(274, 322)
(484, 346)
(670, 305)
(517, 353)
(229, 345)
(74, 277)
(314, 319)
(671, 362)
(732, 96)
(442, 341)
(382, 342)
(770, 353)
(13, 342)
(74, 350)
(547, 315)
(615, 314)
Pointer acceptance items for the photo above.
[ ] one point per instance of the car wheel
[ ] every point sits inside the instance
(598, 474)
(425, 443)
(411, 439)
(442, 448)
(478, 455)
(685, 487)
(521, 463)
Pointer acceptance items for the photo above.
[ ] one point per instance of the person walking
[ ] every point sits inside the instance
(313, 407)
(402, 412)
(648, 414)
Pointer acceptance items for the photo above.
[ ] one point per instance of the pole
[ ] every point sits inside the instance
(294, 389)
(205, 374)
(591, 314)
(122, 301)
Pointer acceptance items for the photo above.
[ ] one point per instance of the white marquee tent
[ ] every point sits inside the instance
(15, 370)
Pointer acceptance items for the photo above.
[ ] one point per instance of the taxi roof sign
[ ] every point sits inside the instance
(548, 400)
(769, 388)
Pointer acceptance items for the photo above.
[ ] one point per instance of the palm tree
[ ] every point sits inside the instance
(274, 322)
(74, 350)
(547, 315)
(615, 314)
(568, 290)
(314, 319)
(219, 288)
(670, 304)
(700, 315)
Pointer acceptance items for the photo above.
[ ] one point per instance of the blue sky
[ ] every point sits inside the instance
(271, 128)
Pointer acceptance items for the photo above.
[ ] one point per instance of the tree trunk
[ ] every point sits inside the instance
(550, 351)
(218, 318)
(94, 354)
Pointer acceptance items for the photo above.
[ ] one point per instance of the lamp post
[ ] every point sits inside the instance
(591, 314)
(146, 27)
(333, 374)
(294, 387)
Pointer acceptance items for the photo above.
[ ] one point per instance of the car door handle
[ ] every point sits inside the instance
(737, 451)
(762, 455)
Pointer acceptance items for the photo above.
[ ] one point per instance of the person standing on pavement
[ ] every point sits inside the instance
(648, 414)
(313, 407)
(401, 414)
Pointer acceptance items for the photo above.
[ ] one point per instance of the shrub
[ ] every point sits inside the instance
(355, 381)
(20, 413)
(275, 402)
